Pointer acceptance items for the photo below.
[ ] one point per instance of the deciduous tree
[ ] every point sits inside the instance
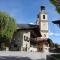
(7, 27)
(57, 4)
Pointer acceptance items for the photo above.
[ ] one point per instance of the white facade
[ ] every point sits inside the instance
(42, 21)
(44, 25)
(26, 40)
(22, 40)
(33, 49)
(23, 37)
(46, 48)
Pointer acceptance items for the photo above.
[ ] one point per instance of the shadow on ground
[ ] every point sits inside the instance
(14, 58)
(17, 58)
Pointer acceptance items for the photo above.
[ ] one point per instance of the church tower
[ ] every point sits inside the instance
(42, 21)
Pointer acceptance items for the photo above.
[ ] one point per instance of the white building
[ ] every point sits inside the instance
(42, 21)
(30, 37)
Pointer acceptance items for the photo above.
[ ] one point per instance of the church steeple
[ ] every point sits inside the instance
(39, 17)
(42, 8)
(42, 21)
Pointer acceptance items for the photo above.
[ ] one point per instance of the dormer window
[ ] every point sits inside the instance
(43, 16)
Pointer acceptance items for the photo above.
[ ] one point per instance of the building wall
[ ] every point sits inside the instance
(42, 21)
(19, 38)
(17, 41)
(43, 47)
(40, 47)
(20, 41)
(44, 34)
(46, 47)
(26, 40)
(44, 25)
(43, 18)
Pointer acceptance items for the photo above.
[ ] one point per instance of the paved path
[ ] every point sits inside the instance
(19, 55)
(17, 58)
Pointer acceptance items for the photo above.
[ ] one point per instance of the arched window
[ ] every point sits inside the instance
(43, 16)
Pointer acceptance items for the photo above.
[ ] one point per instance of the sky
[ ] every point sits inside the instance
(25, 12)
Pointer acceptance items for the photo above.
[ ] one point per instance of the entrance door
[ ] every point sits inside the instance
(26, 48)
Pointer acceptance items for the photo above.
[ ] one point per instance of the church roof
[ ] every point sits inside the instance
(26, 26)
(34, 29)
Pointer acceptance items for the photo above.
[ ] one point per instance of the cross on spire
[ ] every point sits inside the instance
(42, 5)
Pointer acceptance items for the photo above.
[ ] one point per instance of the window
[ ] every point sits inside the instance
(43, 16)
(26, 38)
(40, 49)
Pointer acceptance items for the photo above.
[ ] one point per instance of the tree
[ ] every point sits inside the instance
(7, 27)
(56, 3)
(51, 44)
(56, 45)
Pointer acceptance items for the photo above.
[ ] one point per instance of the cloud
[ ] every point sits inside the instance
(57, 34)
(53, 34)
(50, 33)
(31, 23)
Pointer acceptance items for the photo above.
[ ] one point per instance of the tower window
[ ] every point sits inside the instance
(43, 16)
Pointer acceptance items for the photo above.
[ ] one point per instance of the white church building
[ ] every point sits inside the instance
(29, 37)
